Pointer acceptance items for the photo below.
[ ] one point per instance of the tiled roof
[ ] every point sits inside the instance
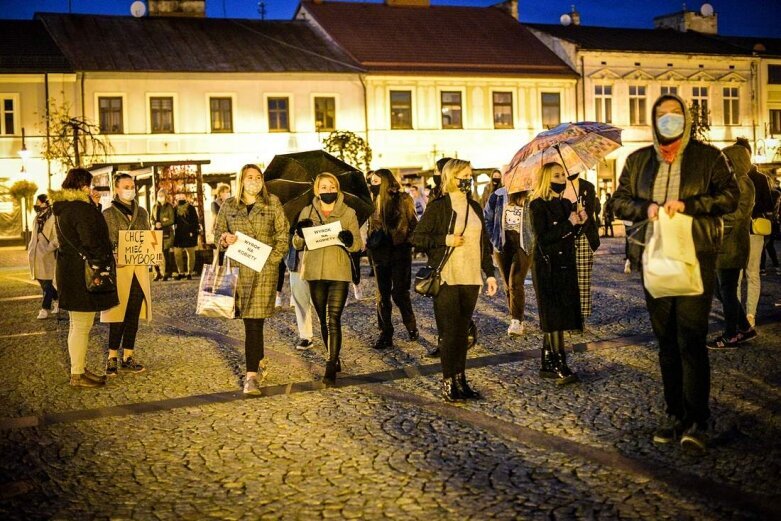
(25, 47)
(755, 44)
(171, 44)
(667, 41)
(439, 39)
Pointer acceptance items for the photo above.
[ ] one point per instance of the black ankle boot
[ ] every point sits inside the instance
(463, 387)
(338, 365)
(547, 359)
(564, 374)
(385, 341)
(450, 391)
(330, 372)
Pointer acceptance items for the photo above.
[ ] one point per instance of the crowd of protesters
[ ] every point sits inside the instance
(550, 232)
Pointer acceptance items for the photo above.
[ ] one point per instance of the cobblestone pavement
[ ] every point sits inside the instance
(179, 441)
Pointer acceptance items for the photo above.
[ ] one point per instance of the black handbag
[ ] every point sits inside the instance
(428, 279)
(99, 277)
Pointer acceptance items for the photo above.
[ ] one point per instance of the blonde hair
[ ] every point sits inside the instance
(325, 175)
(542, 189)
(222, 187)
(263, 195)
(450, 171)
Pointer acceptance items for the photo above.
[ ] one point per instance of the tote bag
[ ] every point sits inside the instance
(667, 277)
(217, 290)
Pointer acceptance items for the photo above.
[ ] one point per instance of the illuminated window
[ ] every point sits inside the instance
(731, 106)
(401, 109)
(325, 114)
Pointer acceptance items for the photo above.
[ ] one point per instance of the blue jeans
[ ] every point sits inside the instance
(49, 293)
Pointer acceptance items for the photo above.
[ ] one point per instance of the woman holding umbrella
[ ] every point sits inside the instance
(329, 269)
(258, 214)
(556, 226)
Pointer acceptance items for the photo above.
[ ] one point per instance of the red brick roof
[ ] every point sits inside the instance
(436, 39)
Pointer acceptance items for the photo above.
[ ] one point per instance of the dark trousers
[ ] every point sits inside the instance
(514, 265)
(769, 249)
(328, 297)
(394, 276)
(681, 326)
(356, 257)
(609, 226)
(253, 343)
(453, 308)
(49, 293)
(125, 332)
(281, 277)
(727, 292)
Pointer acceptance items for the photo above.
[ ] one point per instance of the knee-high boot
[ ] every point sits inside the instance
(547, 358)
(563, 373)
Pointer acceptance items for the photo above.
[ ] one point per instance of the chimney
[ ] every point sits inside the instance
(706, 21)
(510, 7)
(190, 8)
(574, 16)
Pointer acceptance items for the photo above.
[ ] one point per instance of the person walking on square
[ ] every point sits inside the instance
(608, 217)
(583, 196)
(391, 227)
(133, 287)
(302, 299)
(41, 254)
(733, 255)
(328, 270)
(258, 214)
(452, 230)
(81, 232)
(507, 220)
(185, 237)
(164, 219)
(556, 225)
(678, 175)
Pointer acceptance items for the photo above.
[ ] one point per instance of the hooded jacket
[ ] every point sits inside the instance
(737, 225)
(708, 187)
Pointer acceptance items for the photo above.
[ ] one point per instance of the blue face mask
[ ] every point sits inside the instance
(670, 125)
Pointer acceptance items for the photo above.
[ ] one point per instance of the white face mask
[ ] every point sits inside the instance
(670, 125)
(253, 187)
(161, 199)
(127, 195)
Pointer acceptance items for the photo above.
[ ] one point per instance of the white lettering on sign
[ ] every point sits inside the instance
(140, 248)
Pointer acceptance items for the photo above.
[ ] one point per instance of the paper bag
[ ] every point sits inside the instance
(667, 277)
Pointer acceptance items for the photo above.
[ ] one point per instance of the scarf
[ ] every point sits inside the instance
(122, 207)
(670, 150)
(41, 218)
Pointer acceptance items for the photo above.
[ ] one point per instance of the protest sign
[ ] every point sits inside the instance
(322, 236)
(248, 251)
(140, 248)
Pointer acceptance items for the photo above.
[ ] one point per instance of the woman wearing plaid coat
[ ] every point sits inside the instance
(258, 214)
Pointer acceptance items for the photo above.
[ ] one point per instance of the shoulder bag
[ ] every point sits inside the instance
(98, 277)
(429, 279)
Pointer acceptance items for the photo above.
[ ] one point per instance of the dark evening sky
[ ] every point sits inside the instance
(736, 17)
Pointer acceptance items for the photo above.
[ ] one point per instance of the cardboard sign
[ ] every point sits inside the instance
(248, 251)
(322, 236)
(140, 248)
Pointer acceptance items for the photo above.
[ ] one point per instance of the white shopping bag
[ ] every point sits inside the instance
(217, 291)
(665, 276)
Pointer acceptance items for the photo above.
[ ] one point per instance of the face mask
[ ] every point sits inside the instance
(496, 182)
(572, 177)
(161, 200)
(375, 190)
(329, 197)
(465, 185)
(437, 180)
(253, 187)
(127, 195)
(181, 202)
(558, 187)
(670, 125)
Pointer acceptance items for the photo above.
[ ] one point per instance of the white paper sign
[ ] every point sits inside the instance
(248, 251)
(322, 236)
(140, 248)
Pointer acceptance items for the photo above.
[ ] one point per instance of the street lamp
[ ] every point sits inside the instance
(24, 153)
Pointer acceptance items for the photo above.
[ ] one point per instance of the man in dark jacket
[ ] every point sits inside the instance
(676, 175)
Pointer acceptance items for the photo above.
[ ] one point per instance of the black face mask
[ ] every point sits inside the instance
(496, 182)
(38, 208)
(375, 190)
(465, 185)
(558, 187)
(572, 177)
(329, 198)
(181, 203)
(437, 180)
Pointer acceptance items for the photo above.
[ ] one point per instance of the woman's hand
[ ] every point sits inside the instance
(228, 238)
(653, 212)
(491, 286)
(583, 216)
(346, 236)
(574, 218)
(673, 207)
(454, 240)
(158, 226)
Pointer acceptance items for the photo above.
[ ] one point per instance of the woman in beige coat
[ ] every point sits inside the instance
(41, 254)
(329, 270)
(135, 295)
(256, 213)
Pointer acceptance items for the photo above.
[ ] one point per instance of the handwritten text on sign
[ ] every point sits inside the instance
(140, 248)
(248, 251)
(322, 236)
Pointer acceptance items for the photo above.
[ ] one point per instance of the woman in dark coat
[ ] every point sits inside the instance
(185, 237)
(393, 223)
(81, 230)
(556, 226)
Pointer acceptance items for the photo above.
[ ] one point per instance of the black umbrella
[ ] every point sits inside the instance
(290, 177)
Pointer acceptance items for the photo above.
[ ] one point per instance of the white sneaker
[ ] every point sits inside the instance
(278, 301)
(751, 320)
(516, 328)
(55, 307)
(43, 314)
(627, 267)
(358, 292)
(251, 385)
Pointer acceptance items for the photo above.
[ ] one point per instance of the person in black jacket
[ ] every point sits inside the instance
(453, 225)
(81, 231)
(677, 175)
(390, 228)
(556, 225)
(185, 237)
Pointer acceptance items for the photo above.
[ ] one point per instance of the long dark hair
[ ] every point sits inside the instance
(387, 200)
(77, 179)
